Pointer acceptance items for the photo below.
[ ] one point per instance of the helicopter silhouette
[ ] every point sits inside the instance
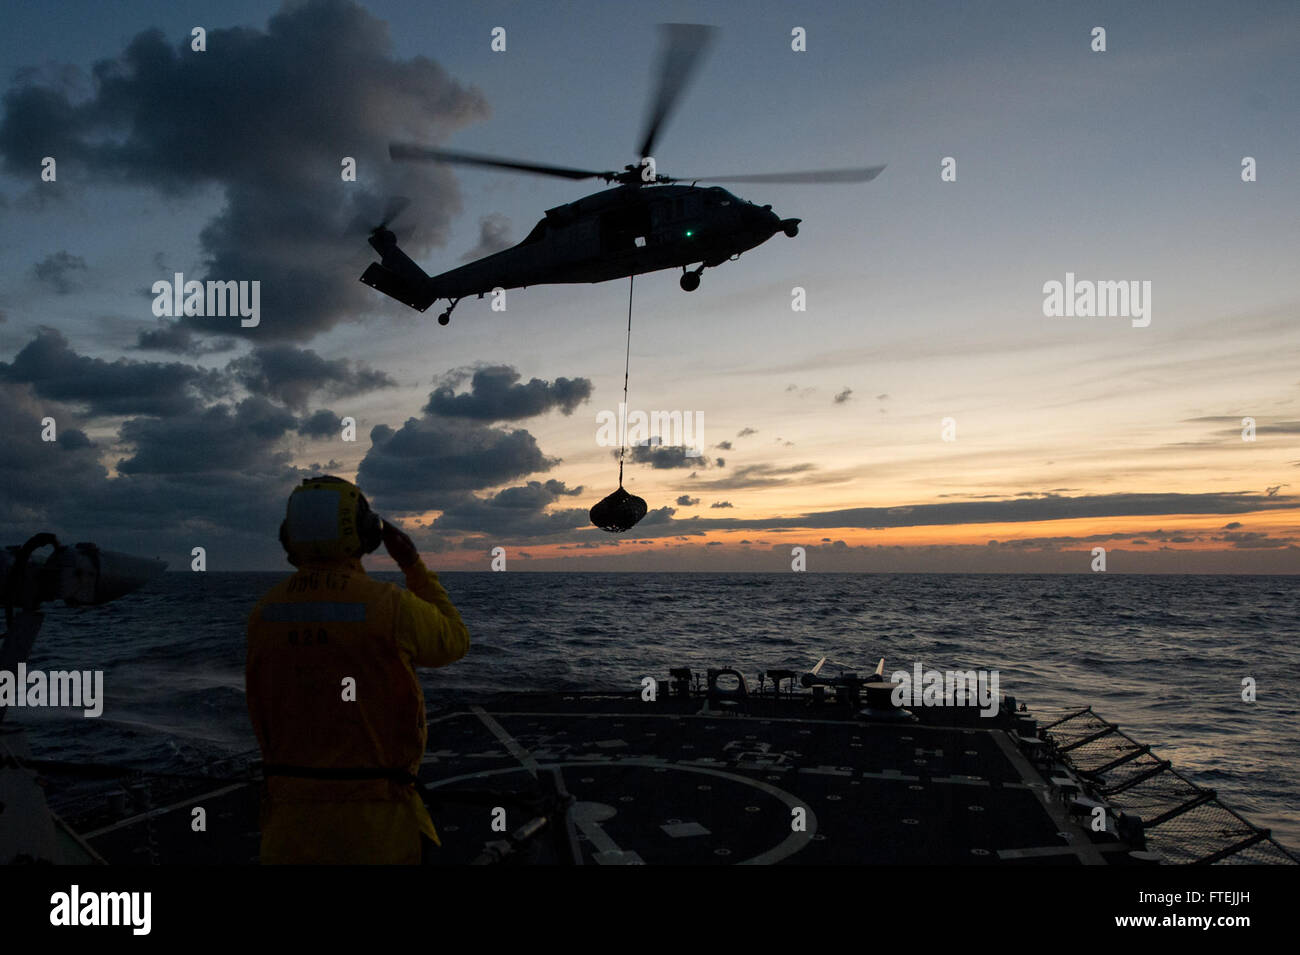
(645, 223)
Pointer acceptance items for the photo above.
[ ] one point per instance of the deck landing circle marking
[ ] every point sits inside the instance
(787, 847)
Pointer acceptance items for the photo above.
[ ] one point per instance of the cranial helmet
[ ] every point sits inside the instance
(329, 518)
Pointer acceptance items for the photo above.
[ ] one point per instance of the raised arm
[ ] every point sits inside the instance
(428, 623)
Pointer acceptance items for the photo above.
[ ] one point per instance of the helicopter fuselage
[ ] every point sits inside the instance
(614, 233)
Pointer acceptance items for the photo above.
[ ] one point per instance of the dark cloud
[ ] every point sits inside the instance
(74, 439)
(685, 500)
(180, 340)
(515, 512)
(746, 432)
(494, 235)
(265, 116)
(60, 272)
(119, 387)
(1008, 511)
(723, 446)
(720, 504)
(1249, 540)
(321, 424)
(63, 487)
(215, 439)
(559, 489)
(425, 463)
(844, 396)
(292, 375)
(662, 456)
(656, 516)
(496, 395)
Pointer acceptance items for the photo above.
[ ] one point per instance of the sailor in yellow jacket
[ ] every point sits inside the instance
(332, 687)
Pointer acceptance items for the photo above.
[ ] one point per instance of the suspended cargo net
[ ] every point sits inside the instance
(621, 510)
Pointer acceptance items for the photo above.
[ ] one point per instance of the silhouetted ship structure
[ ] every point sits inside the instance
(803, 768)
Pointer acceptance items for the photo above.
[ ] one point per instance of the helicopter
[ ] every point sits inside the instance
(644, 223)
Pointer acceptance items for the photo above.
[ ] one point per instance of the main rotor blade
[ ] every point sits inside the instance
(364, 223)
(396, 205)
(681, 54)
(860, 174)
(409, 151)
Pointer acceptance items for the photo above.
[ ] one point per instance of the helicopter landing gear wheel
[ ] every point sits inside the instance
(445, 317)
(690, 281)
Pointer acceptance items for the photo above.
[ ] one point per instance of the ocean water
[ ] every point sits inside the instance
(1163, 656)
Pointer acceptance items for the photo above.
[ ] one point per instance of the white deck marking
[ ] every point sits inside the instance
(161, 810)
(791, 844)
(1087, 852)
(509, 742)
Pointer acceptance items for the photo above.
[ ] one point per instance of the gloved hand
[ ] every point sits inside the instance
(399, 546)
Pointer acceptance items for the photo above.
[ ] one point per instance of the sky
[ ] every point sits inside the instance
(922, 413)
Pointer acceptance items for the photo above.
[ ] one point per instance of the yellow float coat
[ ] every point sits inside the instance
(331, 683)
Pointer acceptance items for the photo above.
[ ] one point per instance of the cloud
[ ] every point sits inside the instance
(437, 461)
(216, 439)
(843, 396)
(495, 395)
(758, 475)
(180, 340)
(1006, 511)
(425, 463)
(1252, 540)
(494, 235)
(685, 500)
(291, 375)
(514, 512)
(263, 116)
(723, 446)
(102, 387)
(321, 424)
(63, 487)
(60, 271)
(663, 456)
(746, 432)
(720, 504)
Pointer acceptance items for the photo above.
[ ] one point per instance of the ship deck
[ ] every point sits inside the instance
(680, 781)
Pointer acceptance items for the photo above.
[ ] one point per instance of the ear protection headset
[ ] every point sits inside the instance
(329, 518)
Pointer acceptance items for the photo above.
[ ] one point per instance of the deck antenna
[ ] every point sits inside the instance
(620, 511)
